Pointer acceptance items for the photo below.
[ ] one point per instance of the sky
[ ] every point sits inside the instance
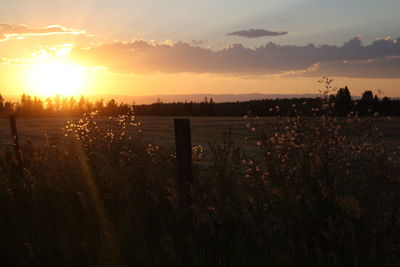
(127, 47)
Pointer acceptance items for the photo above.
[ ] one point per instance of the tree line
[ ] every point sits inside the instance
(341, 104)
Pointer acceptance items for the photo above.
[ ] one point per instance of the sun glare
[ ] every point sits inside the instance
(59, 77)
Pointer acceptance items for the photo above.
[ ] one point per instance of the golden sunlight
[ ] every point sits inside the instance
(57, 77)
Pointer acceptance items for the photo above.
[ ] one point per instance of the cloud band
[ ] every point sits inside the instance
(380, 59)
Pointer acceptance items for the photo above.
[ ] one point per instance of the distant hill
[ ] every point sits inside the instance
(217, 98)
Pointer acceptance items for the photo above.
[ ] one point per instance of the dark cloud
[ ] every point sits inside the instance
(8, 31)
(380, 59)
(255, 33)
(198, 42)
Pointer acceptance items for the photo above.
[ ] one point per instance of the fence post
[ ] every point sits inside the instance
(14, 135)
(183, 145)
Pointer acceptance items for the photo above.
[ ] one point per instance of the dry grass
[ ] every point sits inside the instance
(316, 191)
(160, 129)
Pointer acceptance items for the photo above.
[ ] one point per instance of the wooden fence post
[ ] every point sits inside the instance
(183, 145)
(14, 135)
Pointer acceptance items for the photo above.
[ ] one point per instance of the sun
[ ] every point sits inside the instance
(57, 78)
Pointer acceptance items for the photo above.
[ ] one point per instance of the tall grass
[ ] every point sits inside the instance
(316, 191)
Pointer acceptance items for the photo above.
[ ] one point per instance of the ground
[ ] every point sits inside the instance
(159, 130)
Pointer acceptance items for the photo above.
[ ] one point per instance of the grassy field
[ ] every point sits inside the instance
(298, 191)
(159, 130)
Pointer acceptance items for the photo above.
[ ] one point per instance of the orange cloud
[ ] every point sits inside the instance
(379, 59)
(10, 31)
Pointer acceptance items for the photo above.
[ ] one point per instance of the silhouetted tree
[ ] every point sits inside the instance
(189, 108)
(50, 106)
(81, 105)
(99, 105)
(211, 108)
(8, 108)
(366, 102)
(58, 106)
(37, 107)
(57, 103)
(111, 108)
(343, 102)
(387, 107)
(1, 104)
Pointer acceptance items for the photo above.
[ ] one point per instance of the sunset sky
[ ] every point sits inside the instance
(126, 47)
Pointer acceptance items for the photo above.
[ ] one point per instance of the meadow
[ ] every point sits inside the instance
(160, 130)
(152, 129)
(291, 191)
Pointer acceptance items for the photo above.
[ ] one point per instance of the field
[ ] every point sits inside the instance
(320, 191)
(160, 131)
